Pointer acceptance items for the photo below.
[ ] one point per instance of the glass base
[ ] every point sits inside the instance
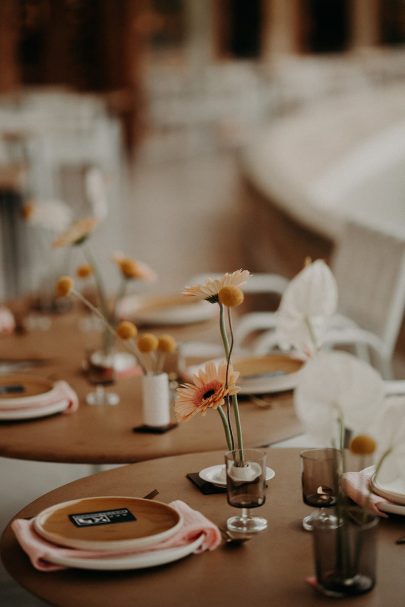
(101, 397)
(251, 524)
(308, 521)
(335, 587)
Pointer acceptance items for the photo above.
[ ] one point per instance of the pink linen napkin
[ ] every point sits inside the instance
(7, 321)
(61, 391)
(357, 486)
(40, 550)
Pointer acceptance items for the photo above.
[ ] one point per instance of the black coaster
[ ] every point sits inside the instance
(155, 429)
(203, 486)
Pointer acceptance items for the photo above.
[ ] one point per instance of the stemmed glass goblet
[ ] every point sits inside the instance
(320, 482)
(246, 488)
(101, 371)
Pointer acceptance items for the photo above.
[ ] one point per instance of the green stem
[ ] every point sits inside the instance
(99, 282)
(223, 331)
(229, 438)
(228, 356)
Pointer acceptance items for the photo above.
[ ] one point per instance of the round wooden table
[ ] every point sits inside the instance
(103, 434)
(268, 570)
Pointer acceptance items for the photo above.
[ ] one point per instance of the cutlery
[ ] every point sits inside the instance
(400, 540)
(151, 494)
(12, 389)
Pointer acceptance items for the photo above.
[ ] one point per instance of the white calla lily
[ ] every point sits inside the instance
(389, 431)
(306, 307)
(333, 386)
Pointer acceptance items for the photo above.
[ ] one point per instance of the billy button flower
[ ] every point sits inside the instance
(84, 270)
(64, 286)
(362, 444)
(231, 296)
(126, 330)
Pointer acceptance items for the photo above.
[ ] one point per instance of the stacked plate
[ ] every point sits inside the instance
(165, 310)
(393, 491)
(23, 397)
(266, 374)
(127, 526)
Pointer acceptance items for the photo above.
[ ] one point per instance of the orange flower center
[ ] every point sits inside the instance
(206, 392)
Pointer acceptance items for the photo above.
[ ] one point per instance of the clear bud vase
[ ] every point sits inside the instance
(345, 554)
(156, 400)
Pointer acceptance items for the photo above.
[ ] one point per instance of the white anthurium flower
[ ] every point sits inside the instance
(389, 431)
(333, 386)
(96, 192)
(306, 307)
(52, 215)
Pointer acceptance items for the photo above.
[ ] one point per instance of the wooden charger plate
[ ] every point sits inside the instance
(103, 523)
(33, 388)
(265, 374)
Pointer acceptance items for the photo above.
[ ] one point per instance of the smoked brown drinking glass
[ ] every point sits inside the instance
(320, 472)
(246, 488)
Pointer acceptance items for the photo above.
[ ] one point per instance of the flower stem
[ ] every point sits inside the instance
(99, 283)
(229, 437)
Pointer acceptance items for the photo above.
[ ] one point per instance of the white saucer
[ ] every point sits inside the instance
(130, 561)
(33, 412)
(393, 490)
(216, 475)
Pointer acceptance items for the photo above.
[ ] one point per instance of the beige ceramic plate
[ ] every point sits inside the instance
(265, 374)
(33, 388)
(165, 310)
(393, 491)
(108, 523)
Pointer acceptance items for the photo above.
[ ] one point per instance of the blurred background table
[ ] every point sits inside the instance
(103, 434)
(270, 569)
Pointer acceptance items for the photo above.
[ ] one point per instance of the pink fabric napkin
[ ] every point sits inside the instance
(357, 486)
(7, 321)
(61, 391)
(40, 551)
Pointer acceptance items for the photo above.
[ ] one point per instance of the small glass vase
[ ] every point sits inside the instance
(345, 553)
(246, 489)
(156, 400)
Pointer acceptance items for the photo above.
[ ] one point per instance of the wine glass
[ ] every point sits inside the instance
(101, 371)
(246, 488)
(320, 483)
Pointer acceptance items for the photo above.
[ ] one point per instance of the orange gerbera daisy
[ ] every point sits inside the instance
(208, 391)
(77, 233)
(210, 289)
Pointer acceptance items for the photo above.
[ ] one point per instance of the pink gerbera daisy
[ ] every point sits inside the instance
(208, 391)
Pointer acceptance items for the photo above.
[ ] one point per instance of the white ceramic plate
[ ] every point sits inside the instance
(165, 310)
(33, 412)
(393, 491)
(154, 522)
(391, 508)
(131, 561)
(216, 475)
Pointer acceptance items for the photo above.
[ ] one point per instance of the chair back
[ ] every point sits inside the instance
(369, 266)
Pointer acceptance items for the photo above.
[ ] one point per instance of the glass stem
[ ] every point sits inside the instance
(245, 514)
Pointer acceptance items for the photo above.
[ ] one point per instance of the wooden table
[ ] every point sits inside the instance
(104, 435)
(269, 570)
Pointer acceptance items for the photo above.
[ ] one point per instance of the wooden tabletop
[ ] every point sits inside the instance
(269, 570)
(103, 434)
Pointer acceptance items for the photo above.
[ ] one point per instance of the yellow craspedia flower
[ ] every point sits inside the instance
(166, 344)
(231, 296)
(64, 286)
(126, 329)
(84, 271)
(129, 268)
(362, 444)
(147, 342)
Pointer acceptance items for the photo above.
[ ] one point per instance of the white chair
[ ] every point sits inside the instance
(369, 266)
(259, 283)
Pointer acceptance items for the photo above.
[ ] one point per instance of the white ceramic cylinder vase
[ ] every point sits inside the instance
(156, 400)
